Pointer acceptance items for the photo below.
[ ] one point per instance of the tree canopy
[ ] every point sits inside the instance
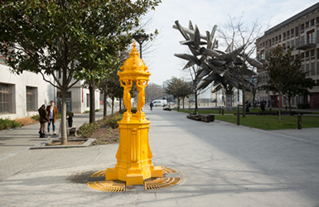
(179, 88)
(70, 36)
(283, 70)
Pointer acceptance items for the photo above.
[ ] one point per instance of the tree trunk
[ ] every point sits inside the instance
(105, 104)
(112, 105)
(254, 95)
(184, 103)
(178, 101)
(196, 107)
(289, 102)
(120, 104)
(64, 138)
(243, 97)
(279, 111)
(92, 101)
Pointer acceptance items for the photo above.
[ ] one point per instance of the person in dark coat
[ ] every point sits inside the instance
(43, 120)
(151, 105)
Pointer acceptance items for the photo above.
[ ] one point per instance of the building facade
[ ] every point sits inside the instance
(302, 32)
(22, 95)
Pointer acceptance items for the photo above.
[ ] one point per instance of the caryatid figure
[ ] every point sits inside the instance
(141, 94)
(127, 96)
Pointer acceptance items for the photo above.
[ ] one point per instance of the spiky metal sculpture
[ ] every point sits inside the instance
(215, 66)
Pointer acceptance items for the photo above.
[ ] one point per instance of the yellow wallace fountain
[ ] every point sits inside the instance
(134, 155)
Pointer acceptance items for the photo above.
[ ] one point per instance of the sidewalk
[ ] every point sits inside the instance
(221, 164)
(16, 140)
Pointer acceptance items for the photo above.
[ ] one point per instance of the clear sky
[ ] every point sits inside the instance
(205, 14)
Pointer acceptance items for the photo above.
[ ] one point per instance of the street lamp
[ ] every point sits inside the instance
(140, 39)
(237, 65)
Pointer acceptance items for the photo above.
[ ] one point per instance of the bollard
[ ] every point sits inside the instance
(299, 121)
(270, 109)
(223, 111)
(219, 110)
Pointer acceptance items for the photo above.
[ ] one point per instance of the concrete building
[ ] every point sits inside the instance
(301, 31)
(22, 95)
(78, 98)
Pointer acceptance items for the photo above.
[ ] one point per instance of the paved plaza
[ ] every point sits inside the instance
(221, 164)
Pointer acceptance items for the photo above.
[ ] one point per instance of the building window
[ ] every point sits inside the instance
(292, 31)
(307, 24)
(307, 54)
(297, 31)
(312, 53)
(307, 69)
(284, 34)
(4, 98)
(31, 99)
(313, 71)
(87, 100)
(288, 33)
(312, 22)
(292, 43)
(311, 37)
(302, 27)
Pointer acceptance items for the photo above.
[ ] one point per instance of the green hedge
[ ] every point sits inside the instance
(87, 129)
(8, 124)
(112, 122)
(303, 106)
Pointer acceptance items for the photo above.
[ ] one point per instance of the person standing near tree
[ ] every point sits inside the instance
(52, 112)
(42, 119)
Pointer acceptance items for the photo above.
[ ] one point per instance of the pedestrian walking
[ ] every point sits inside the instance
(151, 105)
(43, 120)
(248, 105)
(52, 112)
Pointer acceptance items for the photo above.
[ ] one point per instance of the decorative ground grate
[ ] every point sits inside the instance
(107, 185)
(167, 170)
(159, 183)
(150, 184)
(99, 174)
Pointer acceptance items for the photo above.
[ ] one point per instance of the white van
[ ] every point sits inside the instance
(159, 103)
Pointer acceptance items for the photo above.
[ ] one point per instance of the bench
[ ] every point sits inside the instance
(207, 117)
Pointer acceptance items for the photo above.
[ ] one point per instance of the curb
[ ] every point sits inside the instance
(42, 145)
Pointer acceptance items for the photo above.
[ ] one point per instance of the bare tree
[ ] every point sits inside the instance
(153, 91)
(242, 37)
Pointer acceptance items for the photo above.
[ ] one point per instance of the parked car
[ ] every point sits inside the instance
(159, 103)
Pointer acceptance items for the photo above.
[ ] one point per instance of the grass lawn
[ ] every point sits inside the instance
(271, 122)
(216, 111)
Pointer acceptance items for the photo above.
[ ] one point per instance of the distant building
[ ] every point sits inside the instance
(301, 31)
